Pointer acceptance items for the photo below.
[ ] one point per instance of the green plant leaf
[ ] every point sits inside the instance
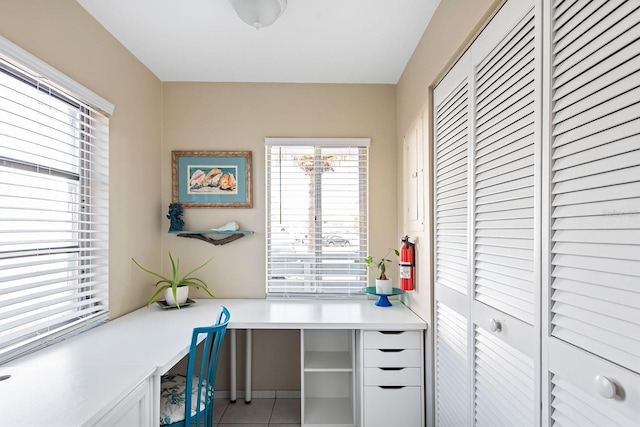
(174, 291)
(167, 281)
(198, 286)
(156, 294)
(174, 267)
(380, 263)
(187, 276)
(149, 271)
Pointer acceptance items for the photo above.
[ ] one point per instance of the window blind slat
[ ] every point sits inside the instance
(43, 309)
(58, 320)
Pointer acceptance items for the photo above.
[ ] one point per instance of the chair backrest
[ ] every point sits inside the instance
(223, 316)
(204, 369)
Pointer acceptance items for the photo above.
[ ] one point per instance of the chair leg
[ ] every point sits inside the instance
(232, 366)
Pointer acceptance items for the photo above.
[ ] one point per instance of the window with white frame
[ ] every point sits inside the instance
(53, 206)
(317, 222)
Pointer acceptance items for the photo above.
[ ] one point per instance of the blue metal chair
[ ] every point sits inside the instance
(181, 408)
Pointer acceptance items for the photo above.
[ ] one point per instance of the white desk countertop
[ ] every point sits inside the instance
(72, 382)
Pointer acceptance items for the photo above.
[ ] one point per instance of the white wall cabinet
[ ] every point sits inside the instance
(537, 220)
(393, 375)
(413, 175)
(328, 377)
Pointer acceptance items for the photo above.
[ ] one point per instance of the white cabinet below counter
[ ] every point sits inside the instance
(46, 390)
(393, 378)
(133, 410)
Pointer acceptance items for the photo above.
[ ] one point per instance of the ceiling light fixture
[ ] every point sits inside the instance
(259, 13)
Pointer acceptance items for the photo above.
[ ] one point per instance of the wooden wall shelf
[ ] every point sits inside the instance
(230, 236)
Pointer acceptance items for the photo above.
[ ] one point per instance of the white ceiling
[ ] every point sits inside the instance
(314, 41)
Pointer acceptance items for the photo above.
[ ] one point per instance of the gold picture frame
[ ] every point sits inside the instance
(211, 179)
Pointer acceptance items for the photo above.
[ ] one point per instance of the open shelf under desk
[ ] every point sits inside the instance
(326, 411)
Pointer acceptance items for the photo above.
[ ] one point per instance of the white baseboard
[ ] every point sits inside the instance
(261, 394)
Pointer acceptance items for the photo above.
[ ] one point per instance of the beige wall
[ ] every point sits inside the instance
(451, 29)
(66, 37)
(236, 116)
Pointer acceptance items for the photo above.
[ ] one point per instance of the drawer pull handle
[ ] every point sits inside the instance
(392, 369)
(391, 387)
(392, 332)
(605, 387)
(495, 325)
(391, 350)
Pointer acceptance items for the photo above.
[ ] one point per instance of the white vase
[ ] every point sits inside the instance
(384, 286)
(182, 293)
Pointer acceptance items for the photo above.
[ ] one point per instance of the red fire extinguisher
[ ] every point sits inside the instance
(407, 264)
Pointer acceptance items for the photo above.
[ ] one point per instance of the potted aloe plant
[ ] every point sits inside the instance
(384, 285)
(176, 288)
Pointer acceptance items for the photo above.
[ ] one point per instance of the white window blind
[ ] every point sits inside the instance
(53, 210)
(317, 223)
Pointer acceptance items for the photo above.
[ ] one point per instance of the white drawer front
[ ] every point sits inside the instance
(384, 407)
(392, 358)
(392, 377)
(389, 339)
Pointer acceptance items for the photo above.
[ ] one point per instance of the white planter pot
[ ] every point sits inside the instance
(384, 286)
(182, 293)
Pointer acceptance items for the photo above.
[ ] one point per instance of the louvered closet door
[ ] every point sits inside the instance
(505, 134)
(594, 284)
(506, 163)
(451, 308)
(487, 292)
(451, 176)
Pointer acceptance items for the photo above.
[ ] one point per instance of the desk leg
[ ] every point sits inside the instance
(232, 366)
(247, 387)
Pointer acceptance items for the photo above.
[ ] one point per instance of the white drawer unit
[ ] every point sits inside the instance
(394, 340)
(392, 406)
(393, 378)
(392, 358)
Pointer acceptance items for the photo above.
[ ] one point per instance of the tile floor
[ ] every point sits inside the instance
(280, 412)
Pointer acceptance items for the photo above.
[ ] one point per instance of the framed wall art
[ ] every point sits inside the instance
(211, 179)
